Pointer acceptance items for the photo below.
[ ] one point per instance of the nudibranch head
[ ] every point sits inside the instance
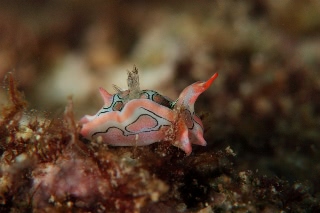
(137, 117)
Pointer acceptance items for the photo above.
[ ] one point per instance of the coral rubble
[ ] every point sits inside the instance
(46, 167)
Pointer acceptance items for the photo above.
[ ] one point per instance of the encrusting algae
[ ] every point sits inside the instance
(46, 166)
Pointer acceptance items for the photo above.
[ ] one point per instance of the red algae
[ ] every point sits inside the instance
(46, 168)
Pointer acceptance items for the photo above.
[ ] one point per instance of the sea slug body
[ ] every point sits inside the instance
(137, 117)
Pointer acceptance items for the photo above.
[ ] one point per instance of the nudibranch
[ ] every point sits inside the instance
(137, 117)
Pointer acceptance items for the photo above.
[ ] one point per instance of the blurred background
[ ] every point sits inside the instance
(265, 103)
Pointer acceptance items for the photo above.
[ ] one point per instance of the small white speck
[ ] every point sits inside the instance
(22, 157)
(38, 137)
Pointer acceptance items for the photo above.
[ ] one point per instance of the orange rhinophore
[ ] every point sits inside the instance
(149, 118)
